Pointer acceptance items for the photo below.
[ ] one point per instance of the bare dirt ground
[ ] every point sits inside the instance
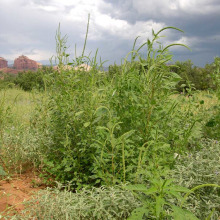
(17, 189)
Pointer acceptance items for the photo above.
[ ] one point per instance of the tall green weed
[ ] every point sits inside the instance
(107, 128)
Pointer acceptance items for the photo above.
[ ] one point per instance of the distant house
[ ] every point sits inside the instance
(84, 67)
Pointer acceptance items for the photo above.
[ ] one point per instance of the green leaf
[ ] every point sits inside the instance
(102, 128)
(175, 76)
(78, 113)
(136, 187)
(67, 169)
(177, 195)
(142, 188)
(2, 172)
(86, 124)
(49, 163)
(152, 190)
(138, 213)
(168, 182)
(159, 205)
(127, 134)
(202, 102)
(182, 214)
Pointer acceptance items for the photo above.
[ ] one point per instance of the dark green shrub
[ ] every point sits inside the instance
(7, 80)
(29, 80)
(200, 78)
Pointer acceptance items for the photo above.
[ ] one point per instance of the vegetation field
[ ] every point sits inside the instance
(140, 141)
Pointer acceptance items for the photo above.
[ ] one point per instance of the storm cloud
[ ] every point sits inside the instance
(28, 27)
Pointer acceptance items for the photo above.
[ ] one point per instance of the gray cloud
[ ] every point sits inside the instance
(198, 19)
(29, 26)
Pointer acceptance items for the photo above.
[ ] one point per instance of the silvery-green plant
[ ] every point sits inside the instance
(96, 203)
(196, 168)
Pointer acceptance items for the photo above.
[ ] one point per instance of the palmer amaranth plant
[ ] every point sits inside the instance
(104, 129)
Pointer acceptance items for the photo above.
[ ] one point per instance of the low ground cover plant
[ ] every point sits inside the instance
(96, 203)
(202, 166)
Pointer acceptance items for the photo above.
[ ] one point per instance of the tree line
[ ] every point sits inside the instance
(198, 78)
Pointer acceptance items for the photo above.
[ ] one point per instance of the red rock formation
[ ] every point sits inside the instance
(24, 63)
(3, 63)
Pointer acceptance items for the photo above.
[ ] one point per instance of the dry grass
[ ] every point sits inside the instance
(200, 102)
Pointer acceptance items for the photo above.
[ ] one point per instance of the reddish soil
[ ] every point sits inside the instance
(17, 189)
(10, 70)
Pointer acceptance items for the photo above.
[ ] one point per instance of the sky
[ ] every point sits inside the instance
(29, 27)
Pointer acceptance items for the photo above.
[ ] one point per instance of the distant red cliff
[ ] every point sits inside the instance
(24, 63)
(20, 64)
(3, 63)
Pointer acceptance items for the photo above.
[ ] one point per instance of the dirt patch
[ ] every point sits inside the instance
(17, 189)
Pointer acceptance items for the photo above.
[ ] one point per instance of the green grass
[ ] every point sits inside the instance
(21, 103)
(207, 98)
(18, 107)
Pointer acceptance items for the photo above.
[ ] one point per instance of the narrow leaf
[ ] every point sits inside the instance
(86, 124)
(159, 205)
(138, 213)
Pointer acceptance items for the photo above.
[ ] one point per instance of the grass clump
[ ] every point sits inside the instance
(17, 136)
